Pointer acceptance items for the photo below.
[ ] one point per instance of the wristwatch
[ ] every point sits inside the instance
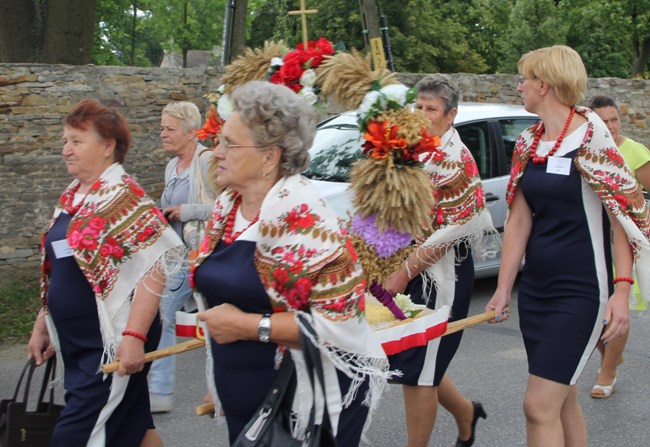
(264, 329)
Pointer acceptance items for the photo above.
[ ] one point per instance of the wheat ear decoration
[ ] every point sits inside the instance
(345, 78)
(254, 64)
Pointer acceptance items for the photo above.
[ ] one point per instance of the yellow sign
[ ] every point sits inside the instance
(378, 57)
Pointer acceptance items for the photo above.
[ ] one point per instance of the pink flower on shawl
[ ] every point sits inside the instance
(146, 233)
(97, 223)
(88, 239)
(622, 200)
(480, 197)
(300, 218)
(298, 295)
(614, 155)
(281, 276)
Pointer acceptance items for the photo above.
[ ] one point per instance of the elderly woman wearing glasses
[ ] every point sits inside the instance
(187, 196)
(274, 249)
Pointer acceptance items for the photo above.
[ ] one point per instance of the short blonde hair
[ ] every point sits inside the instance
(185, 111)
(560, 67)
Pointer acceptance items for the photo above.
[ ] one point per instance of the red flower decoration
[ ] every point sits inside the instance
(212, 126)
(381, 139)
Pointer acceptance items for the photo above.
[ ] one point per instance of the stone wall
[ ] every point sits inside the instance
(34, 98)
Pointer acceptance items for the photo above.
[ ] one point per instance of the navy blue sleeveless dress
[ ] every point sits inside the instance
(244, 370)
(566, 279)
(426, 365)
(71, 304)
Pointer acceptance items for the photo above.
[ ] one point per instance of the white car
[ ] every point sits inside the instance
(488, 130)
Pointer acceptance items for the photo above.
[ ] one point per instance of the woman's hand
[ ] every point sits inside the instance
(130, 353)
(39, 343)
(224, 323)
(617, 314)
(397, 282)
(172, 213)
(499, 304)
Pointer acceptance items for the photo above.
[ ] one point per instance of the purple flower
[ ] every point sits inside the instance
(385, 243)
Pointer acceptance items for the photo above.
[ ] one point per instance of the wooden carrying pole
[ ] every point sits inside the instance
(193, 344)
(466, 323)
(159, 354)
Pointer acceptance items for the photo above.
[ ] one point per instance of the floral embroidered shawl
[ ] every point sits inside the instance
(306, 263)
(117, 236)
(460, 214)
(601, 165)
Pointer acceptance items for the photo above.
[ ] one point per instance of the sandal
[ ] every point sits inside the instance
(603, 391)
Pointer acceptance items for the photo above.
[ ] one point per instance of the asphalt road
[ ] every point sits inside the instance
(490, 367)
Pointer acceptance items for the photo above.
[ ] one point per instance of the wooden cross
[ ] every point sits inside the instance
(303, 16)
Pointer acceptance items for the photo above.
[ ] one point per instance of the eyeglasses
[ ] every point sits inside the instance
(227, 146)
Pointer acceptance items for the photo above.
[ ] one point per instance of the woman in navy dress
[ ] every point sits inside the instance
(101, 285)
(274, 248)
(445, 261)
(569, 191)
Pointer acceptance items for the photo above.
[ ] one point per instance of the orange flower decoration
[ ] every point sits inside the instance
(212, 126)
(381, 140)
(428, 143)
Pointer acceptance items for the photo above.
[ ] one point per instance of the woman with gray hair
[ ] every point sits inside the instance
(444, 263)
(187, 197)
(274, 254)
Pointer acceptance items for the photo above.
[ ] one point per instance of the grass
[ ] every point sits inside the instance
(19, 302)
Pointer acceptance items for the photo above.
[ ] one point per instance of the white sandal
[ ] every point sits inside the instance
(607, 390)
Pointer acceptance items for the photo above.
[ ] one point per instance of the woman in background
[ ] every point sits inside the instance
(637, 156)
(187, 196)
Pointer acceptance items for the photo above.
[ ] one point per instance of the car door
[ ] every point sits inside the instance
(491, 142)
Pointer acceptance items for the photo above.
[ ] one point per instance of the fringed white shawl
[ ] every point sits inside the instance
(117, 237)
(306, 264)
(459, 215)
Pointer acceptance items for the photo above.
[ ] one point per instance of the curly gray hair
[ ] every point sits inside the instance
(276, 116)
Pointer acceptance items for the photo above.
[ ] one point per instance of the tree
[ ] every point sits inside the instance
(49, 31)
(532, 24)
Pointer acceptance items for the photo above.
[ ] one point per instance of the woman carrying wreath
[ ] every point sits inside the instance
(105, 257)
(444, 263)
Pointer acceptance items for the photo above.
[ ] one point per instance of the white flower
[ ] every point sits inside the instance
(395, 92)
(276, 62)
(221, 89)
(367, 104)
(224, 107)
(308, 95)
(308, 78)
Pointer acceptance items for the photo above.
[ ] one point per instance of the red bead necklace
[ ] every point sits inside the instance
(68, 201)
(228, 236)
(541, 160)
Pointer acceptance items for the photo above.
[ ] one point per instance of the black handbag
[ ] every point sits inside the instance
(22, 428)
(271, 424)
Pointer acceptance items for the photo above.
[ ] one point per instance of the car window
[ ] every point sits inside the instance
(334, 150)
(475, 137)
(510, 131)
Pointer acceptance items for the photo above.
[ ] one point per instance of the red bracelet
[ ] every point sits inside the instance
(136, 335)
(624, 279)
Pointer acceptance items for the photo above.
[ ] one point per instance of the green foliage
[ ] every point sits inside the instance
(595, 32)
(477, 36)
(135, 32)
(532, 24)
(19, 302)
